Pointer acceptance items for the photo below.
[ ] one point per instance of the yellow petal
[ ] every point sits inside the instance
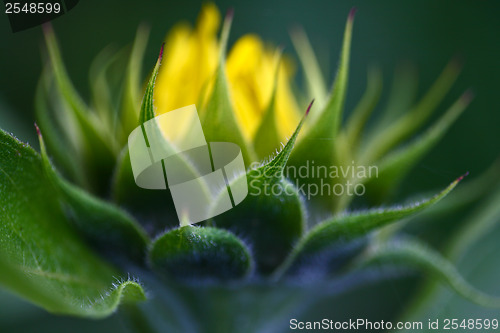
(208, 20)
(189, 61)
(250, 75)
(287, 111)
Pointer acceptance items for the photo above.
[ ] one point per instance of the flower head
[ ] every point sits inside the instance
(286, 229)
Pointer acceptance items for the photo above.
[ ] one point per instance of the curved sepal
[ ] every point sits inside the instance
(319, 142)
(200, 254)
(272, 216)
(397, 164)
(218, 120)
(337, 240)
(147, 106)
(408, 123)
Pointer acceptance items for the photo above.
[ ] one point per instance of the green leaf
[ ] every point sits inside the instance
(147, 106)
(101, 222)
(194, 254)
(336, 235)
(272, 216)
(218, 120)
(396, 165)
(411, 121)
(42, 258)
(409, 252)
(315, 82)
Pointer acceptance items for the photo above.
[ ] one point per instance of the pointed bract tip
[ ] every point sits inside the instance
(230, 14)
(47, 28)
(294, 29)
(352, 12)
(458, 61)
(309, 107)
(161, 51)
(462, 176)
(297, 31)
(467, 96)
(38, 130)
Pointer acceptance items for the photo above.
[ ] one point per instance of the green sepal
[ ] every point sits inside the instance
(319, 142)
(105, 77)
(147, 111)
(196, 254)
(97, 144)
(335, 235)
(356, 123)
(316, 86)
(349, 139)
(408, 123)
(329, 120)
(61, 137)
(272, 224)
(401, 97)
(396, 165)
(131, 103)
(272, 216)
(267, 137)
(218, 120)
(326, 123)
(156, 208)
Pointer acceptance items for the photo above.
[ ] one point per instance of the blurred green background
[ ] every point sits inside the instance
(386, 33)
